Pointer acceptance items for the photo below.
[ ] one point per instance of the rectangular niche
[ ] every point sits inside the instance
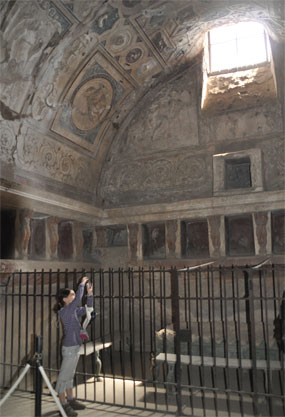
(194, 239)
(7, 248)
(153, 237)
(37, 244)
(237, 172)
(278, 232)
(65, 241)
(116, 236)
(239, 235)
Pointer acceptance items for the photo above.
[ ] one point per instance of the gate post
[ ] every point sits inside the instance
(176, 328)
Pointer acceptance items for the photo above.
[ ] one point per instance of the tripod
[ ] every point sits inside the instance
(40, 373)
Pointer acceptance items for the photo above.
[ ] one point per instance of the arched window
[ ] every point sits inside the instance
(239, 46)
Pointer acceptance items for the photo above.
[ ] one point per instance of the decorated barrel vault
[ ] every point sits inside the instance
(124, 149)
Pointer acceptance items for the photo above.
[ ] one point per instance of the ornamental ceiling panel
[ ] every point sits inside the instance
(90, 101)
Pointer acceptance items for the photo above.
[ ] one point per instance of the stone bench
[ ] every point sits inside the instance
(94, 347)
(234, 363)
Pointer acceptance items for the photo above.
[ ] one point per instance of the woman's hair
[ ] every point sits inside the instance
(63, 293)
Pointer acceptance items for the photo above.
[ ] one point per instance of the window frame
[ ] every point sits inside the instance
(237, 68)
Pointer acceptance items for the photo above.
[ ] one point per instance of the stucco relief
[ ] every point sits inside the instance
(169, 122)
(241, 124)
(7, 140)
(261, 221)
(132, 52)
(81, 9)
(39, 154)
(91, 103)
(105, 19)
(274, 164)
(61, 66)
(153, 178)
(52, 227)
(24, 39)
(87, 106)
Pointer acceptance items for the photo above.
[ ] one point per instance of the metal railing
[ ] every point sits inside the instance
(198, 340)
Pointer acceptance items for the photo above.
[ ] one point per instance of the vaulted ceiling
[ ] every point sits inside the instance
(73, 73)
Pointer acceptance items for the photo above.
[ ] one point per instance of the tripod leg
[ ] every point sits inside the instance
(14, 386)
(52, 391)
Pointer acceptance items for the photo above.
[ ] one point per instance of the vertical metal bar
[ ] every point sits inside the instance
(176, 326)
(143, 329)
(153, 339)
(164, 326)
(210, 320)
(5, 333)
(27, 321)
(277, 300)
(141, 322)
(239, 338)
(102, 293)
(12, 328)
(49, 321)
(222, 312)
(132, 332)
(122, 331)
(19, 320)
(151, 315)
(42, 302)
(58, 347)
(265, 323)
(34, 303)
(214, 350)
(112, 330)
(199, 327)
(202, 368)
(189, 303)
(251, 332)
(227, 372)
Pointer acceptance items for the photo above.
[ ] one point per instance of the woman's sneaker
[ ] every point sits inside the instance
(76, 405)
(69, 410)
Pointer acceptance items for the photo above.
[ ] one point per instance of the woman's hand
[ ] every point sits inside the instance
(89, 288)
(84, 280)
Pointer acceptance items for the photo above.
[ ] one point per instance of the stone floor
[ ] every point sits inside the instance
(22, 404)
(143, 401)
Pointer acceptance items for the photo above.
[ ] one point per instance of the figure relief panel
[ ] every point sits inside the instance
(61, 65)
(238, 125)
(39, 154)
(167, 123)
(153, 180)
(8, 134)
(24, 39)
(274, 163)
(90, 101)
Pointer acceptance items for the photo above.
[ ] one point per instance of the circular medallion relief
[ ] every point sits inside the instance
(92, 103)
(120, 41)
(133, 55)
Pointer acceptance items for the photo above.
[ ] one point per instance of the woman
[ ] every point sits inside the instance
(69, 310)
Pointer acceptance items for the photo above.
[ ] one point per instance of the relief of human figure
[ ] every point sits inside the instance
(52, 225)
(25, 232)
(91, 104)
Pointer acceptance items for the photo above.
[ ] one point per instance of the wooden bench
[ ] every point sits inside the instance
(261, 364)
